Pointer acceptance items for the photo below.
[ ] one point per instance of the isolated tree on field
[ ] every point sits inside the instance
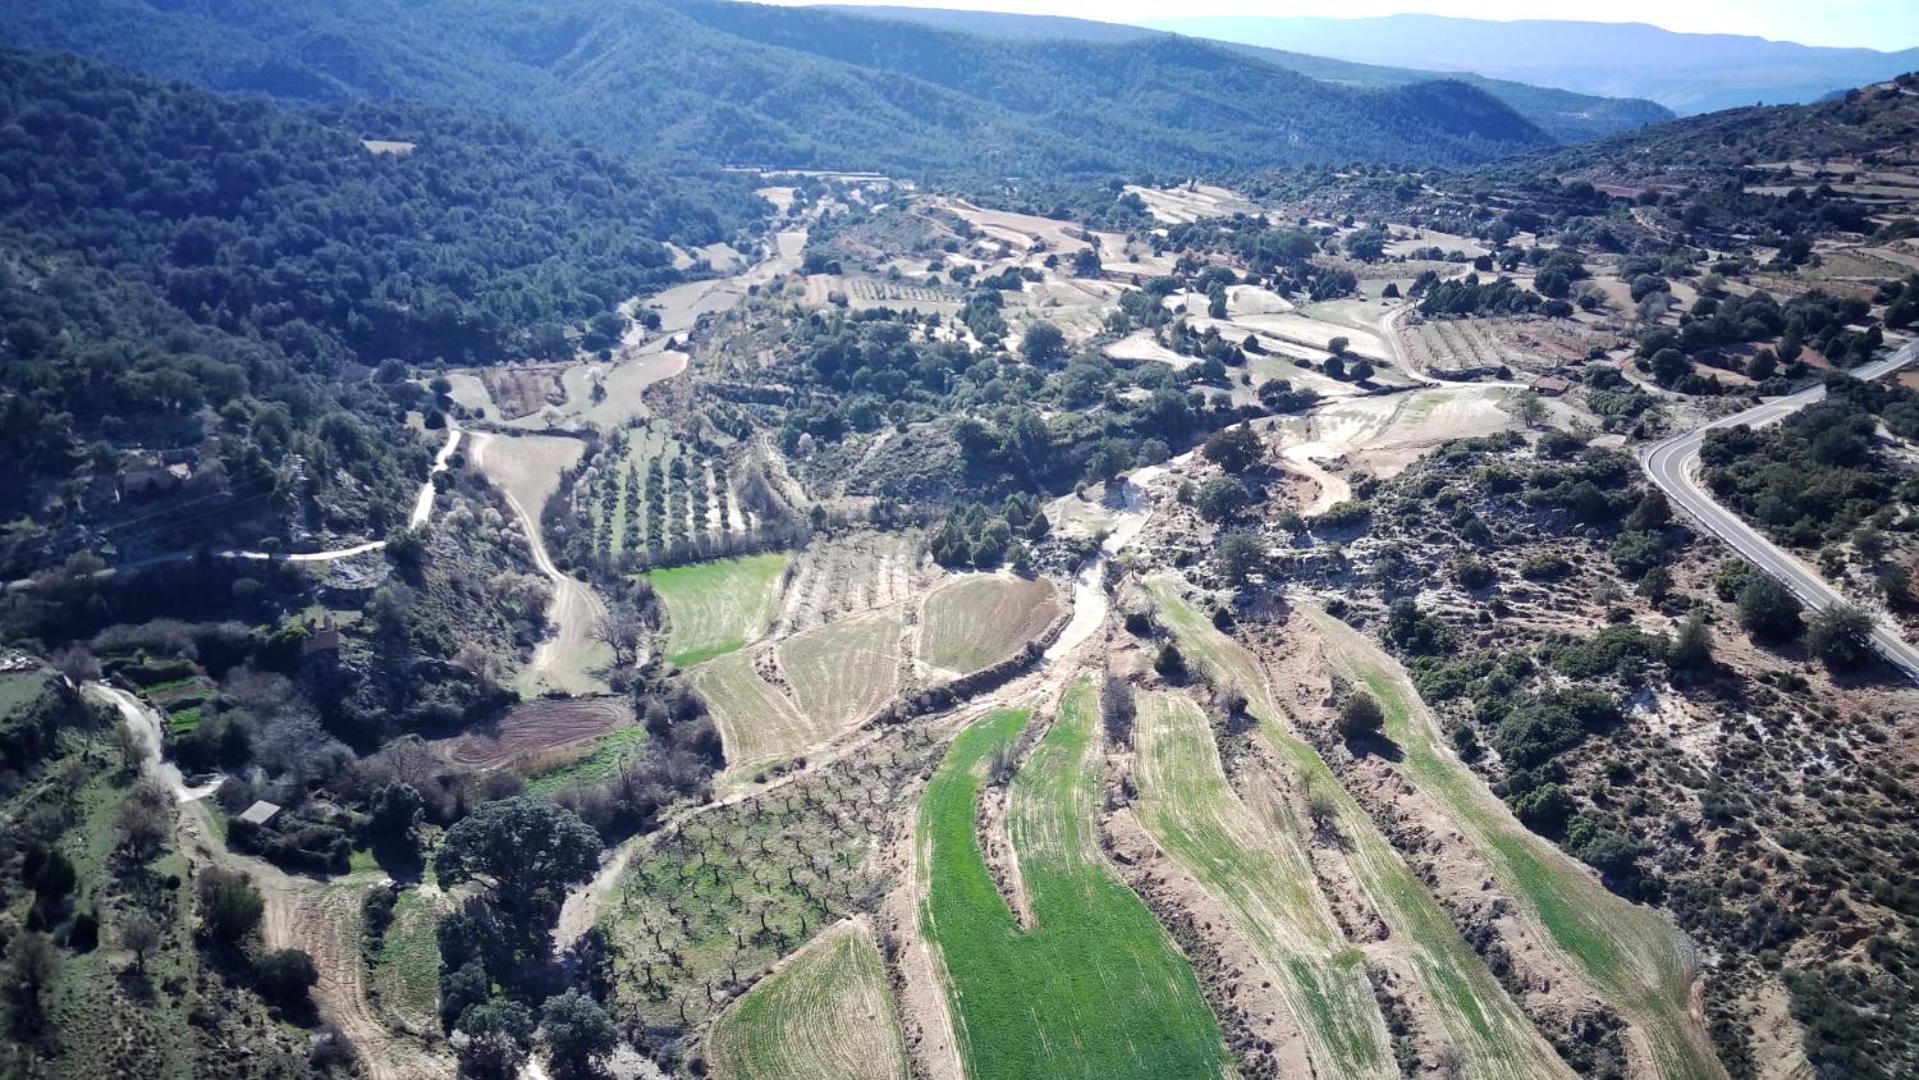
(1692, 645)
(622, 630)
(578, 1033)
(1669, 366)
(1360, 717)
(1169, 663)
(1528, 408)
(144, 821)
(1222, 499)
(1234, 449)
(1361, 370)
(139, 935)
(1240, 553)
(1337, 346)
(1841, 635)
(286, 975)
(527, 851)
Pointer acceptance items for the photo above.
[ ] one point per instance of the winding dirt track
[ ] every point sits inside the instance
(321, 918)
(324, 920)
(574, 607)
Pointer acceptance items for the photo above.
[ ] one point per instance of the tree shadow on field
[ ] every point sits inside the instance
(401, 858)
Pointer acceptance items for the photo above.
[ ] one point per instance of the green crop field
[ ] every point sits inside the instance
(719, 606)
(827, 1012)
(600, 762)
(1095, 988)
(1630, 954)
(1256, 865)
(1480, 1019)
(406, 969)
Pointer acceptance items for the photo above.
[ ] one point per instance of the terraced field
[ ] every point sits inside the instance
(844, 672)
(826, 1012)
(719, 606)
(758, 726)
(976, 621)
(1481, 1022)
(1255, 865)
(1631, 955)
(1095, 988)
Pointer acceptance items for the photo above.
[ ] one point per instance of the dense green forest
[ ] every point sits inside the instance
(1565, 115)
(182, 270)
(744, 83)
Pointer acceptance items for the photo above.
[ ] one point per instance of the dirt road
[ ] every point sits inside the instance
(422, 511)
(322, 918)
(574, 609)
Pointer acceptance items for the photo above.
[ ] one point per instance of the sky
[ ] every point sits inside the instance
(1874, 24)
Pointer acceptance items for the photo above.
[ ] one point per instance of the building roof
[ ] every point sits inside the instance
(259, 813)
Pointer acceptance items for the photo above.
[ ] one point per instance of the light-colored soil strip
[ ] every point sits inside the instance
(1631, 955)
(1480, 1021)
(825, 1012)
(1259, 871)
(1095, 989)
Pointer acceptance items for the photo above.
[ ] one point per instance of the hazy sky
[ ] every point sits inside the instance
(1876, 24)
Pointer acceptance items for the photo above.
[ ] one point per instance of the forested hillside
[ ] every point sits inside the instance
(1562, 114)
(1879, 120)
(176, 268)
(743, 83)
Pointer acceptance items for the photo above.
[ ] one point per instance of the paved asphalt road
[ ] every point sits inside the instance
(1671, 465)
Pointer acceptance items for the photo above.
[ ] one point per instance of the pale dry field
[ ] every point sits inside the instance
(843, 673)
(826, 1012)
(978, 620)
(758, 725)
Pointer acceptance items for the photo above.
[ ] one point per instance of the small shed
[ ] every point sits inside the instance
(259, 813)
(1550, 385)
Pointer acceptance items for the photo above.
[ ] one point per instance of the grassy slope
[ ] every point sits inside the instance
(828, 1012)
(1480, 1019)
(716, 607)
(1260, 872)
(406, 970)
(1630, 954)
(1095, 989)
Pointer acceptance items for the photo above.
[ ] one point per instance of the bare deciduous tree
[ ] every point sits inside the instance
(623, 631)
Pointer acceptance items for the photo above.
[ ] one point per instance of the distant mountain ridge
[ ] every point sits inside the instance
(793, 87)
(1688, 73)
(1565, 115)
